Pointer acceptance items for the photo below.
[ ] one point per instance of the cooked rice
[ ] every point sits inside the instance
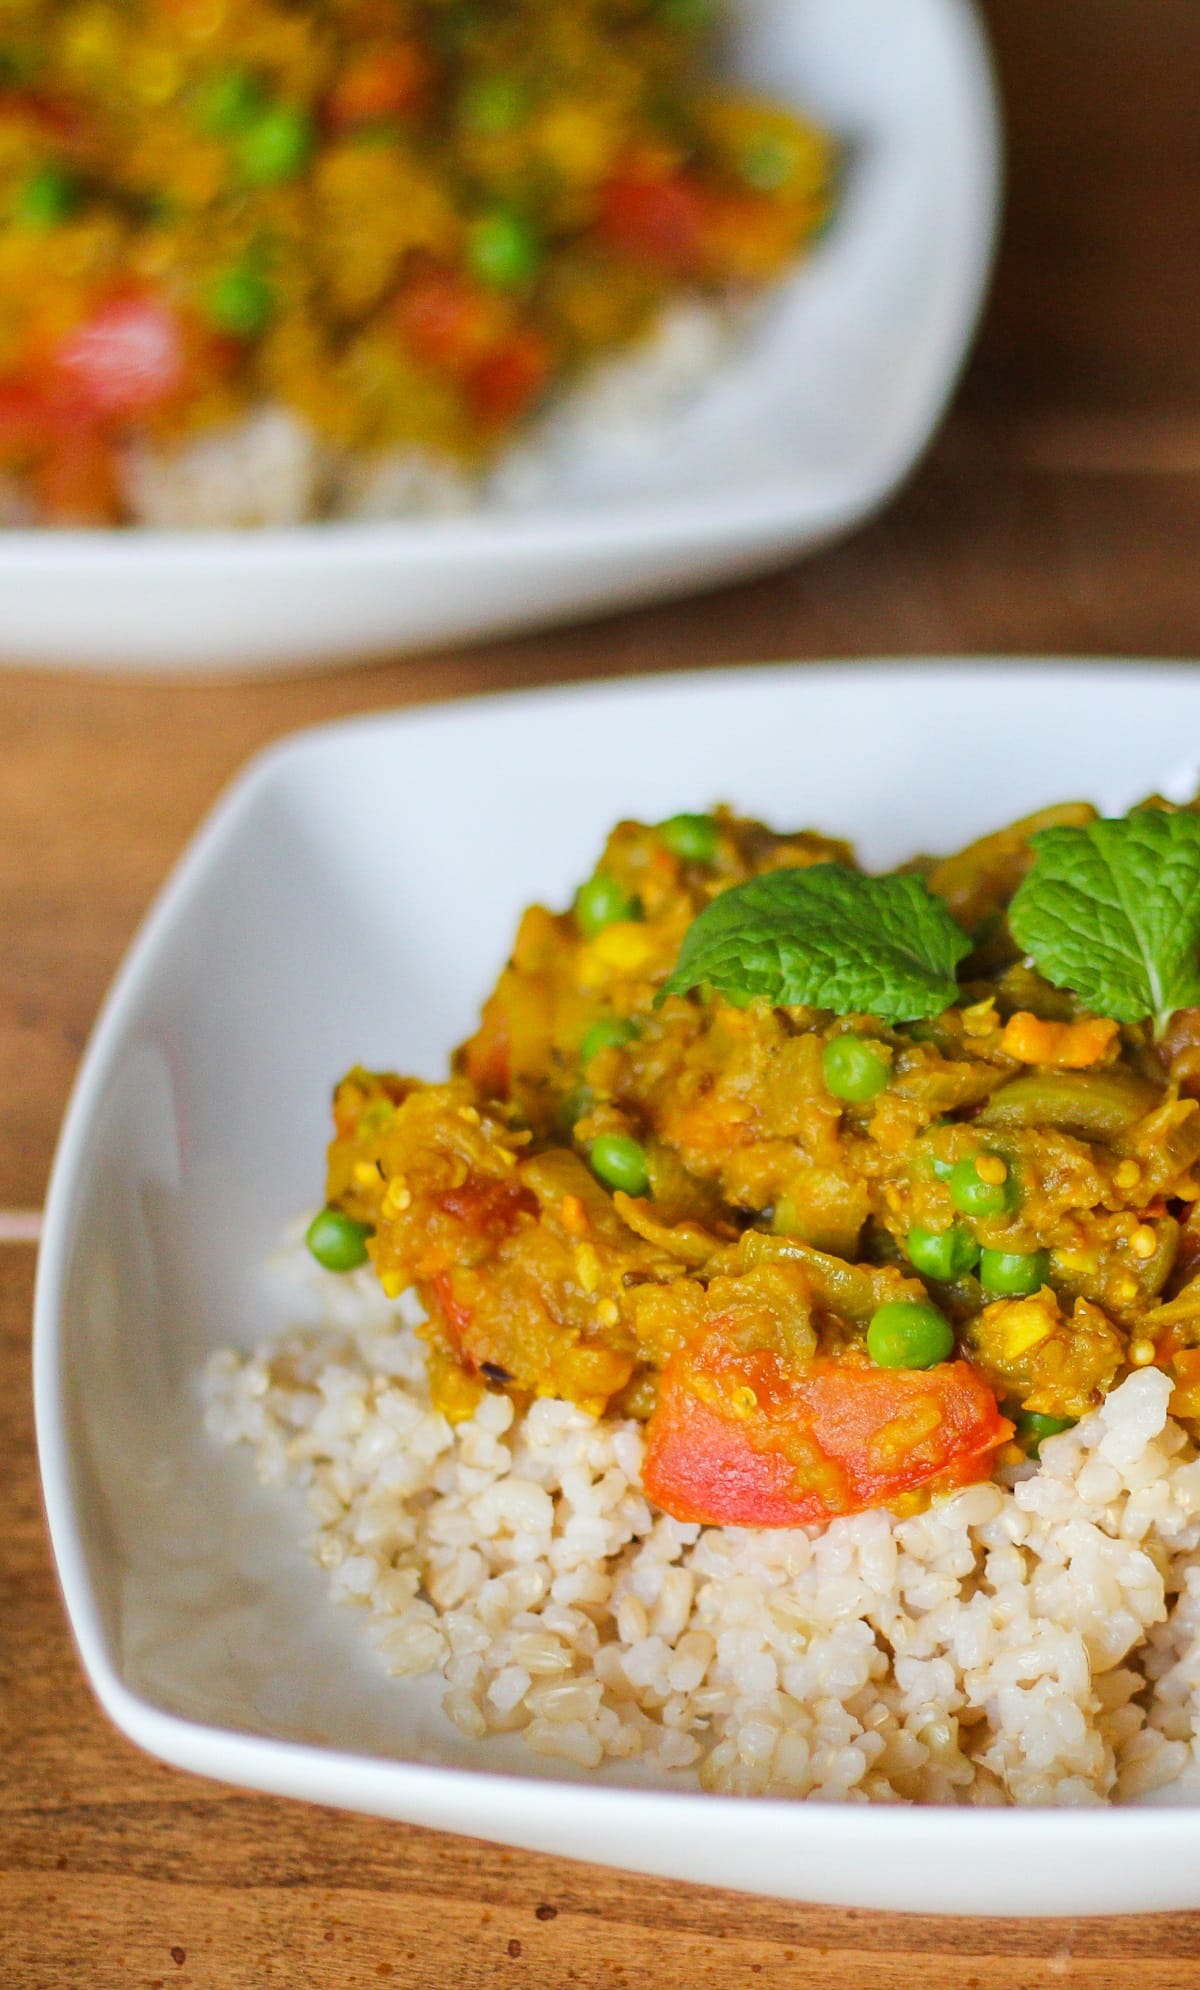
(1031, 1643)
(270, 468)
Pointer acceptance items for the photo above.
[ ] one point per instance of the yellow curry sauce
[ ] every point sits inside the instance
(693, 1212)
(405, 220)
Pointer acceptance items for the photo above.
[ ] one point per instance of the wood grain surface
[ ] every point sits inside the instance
(1059, 511)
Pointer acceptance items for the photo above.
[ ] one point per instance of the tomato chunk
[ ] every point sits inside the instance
(754, 1445)
(444, 320)
(507, 380)
(655, 220)
(127, 359)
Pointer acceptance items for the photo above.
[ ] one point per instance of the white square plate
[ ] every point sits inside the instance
(807, 426)
(352, 898)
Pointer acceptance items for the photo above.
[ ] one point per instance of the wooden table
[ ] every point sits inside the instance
(1060, 511)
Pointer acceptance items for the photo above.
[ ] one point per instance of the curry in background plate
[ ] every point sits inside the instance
(405, 221)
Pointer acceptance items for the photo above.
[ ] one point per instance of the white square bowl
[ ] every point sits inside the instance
(806, 428)
(351, 899)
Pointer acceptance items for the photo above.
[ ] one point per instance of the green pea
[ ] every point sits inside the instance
(855, 1068)
(972, 1196)
(227, 103)
(1013, 1273)
(620, 1162)
(240, 302)
(337, 1241)
(767, 162)
(692, 837)
(50, 195)
(274, 148)
(492, 105)
(942, 1254)
(909, 1333)
(1033, 1428)
(503, 250)
(601, 902)
(607, 1034)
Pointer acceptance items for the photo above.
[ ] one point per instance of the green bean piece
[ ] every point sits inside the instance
(855, 1291)
(1094, 1105)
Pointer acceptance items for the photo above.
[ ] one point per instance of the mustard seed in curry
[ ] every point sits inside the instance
(852, 1187)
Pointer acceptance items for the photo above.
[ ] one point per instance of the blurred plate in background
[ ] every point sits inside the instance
(807, 426)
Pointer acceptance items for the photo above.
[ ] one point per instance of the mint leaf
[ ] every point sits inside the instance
(1113, 911)
(830, 938)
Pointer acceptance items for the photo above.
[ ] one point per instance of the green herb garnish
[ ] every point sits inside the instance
(1112, 911)
(829, 938)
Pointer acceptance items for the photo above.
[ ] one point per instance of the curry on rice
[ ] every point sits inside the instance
(830, 1262)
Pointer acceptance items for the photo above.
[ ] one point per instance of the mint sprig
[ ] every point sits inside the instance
(826, 937)
(1112, 911)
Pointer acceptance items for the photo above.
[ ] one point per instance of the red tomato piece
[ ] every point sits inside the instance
(655, 220)
(43, 114)
(487, 1056)
(864, 1435)
(76, 479)
(127, 359)
(444, 320)
(65, 451)
(488, 1208)
(508, 380)
(379, 83)
(24, 420)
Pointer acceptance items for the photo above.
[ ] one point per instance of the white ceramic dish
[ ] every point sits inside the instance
(807, 428)
(351, 898)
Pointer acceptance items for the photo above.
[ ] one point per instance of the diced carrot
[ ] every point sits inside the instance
(507, 380)
(1073, 1046)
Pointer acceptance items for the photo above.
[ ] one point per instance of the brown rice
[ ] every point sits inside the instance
(1035, 1642)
